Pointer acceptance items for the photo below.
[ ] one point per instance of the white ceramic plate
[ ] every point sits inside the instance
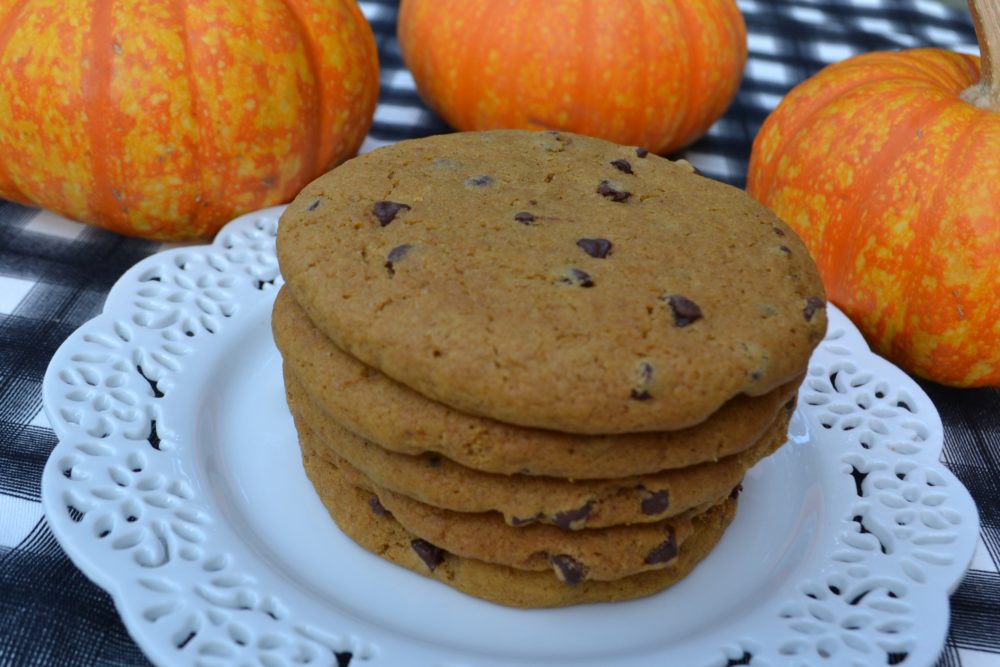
(177, 486)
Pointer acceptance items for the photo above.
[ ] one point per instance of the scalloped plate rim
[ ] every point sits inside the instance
(90, 564)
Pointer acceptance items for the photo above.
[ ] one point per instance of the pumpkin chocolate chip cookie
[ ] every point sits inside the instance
(601, 554)
(535, 281)
(525, 499)
(399, 419)
(361, 516)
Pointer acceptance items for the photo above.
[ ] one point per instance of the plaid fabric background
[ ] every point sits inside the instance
(54, 275)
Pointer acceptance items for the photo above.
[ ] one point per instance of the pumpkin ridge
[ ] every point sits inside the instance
(178, 7)
(8, 188)
(695, 65)
(951, 165)
(647, 63)
(905, 65)
(97, 86)
(584, 95)
(667, 124)
(875, 174)
(314, 131)
(467, 70)
(943, 68)
(506, 78)
(719, 98)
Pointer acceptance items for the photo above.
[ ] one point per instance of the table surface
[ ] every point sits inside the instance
(55, 274)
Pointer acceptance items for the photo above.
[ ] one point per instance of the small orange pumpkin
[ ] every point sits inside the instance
(168, 119)
(645, 73)
(887, 165)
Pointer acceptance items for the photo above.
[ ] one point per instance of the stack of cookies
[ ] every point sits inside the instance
(536, 366)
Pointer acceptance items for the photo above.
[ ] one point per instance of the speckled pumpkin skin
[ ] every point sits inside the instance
(167, 119)
(894, 184)
(651, 73)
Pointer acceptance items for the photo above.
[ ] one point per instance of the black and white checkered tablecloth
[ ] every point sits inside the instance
(54, 275)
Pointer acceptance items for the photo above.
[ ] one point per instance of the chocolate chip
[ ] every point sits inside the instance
(569, 570)
(524, 217)
(598, 248)
(735, 493)
(430, 554)
(656, 503)
(573, 519)
(785, 249)
(640, 395)
(313, 206)
(606, 189)
(577, 277)
(813, 304)
(396, 254)
(377, 506)
(641, 152)
(685, 310)
(386, 211)
(790, 406)
(663, 552)
(518, 523)
(434, 461)
(622, 166)
(755, 376)
(480, 181)
(779, 231)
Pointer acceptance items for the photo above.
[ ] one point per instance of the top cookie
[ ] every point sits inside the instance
(553, 280)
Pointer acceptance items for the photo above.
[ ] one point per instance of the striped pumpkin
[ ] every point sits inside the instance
(887, 166)
(167, 119)
(651, 73)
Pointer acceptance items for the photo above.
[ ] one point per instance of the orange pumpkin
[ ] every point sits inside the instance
(892, 179)
(651, 73)
(168, 119)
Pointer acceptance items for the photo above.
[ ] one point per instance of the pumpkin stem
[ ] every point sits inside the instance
(986, 17)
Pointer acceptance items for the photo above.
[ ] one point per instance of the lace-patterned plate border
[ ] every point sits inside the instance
(123, 497)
